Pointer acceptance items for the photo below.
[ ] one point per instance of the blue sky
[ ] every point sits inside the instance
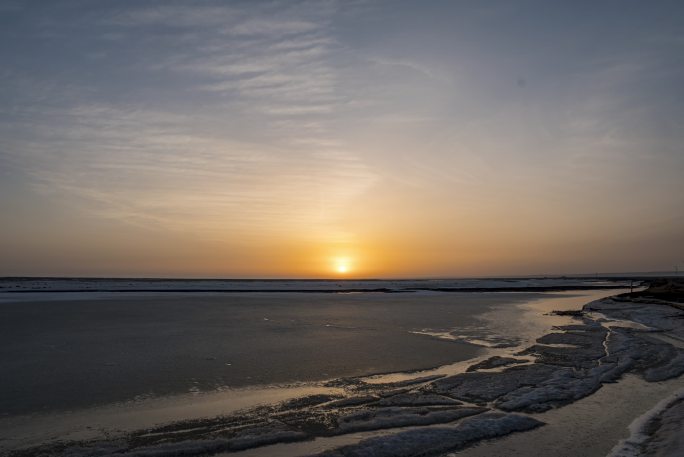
(416, 138)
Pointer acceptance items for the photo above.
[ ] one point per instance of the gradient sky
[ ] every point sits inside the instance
(283, 139)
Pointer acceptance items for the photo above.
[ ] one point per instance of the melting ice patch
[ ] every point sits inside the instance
(479, 336)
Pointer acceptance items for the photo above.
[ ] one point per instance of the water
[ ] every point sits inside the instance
(68, 350)
(132, 359)
(72, 354)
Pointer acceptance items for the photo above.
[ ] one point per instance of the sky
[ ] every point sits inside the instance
(318, 139)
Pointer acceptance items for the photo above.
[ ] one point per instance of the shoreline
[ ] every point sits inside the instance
(196, 405)
(415, 405)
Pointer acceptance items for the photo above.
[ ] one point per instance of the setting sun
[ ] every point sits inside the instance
(341, 265)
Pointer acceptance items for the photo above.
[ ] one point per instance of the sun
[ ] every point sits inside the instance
(341, 265)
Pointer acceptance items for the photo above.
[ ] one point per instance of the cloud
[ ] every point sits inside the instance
(265, 67)
(152, 169)
(176, 16)
(277, 28)
(407, 64)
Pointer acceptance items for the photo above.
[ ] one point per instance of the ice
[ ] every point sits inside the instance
(654, 359)
(656, 433)
(393, 417)
(495, 362)
(414, 381)
(417, 399)
(564, 386)
(433, 441)
(579, 348)
(657, 316)
(353, 401)
(310, 400)
(188, 447)
(477, 336)
(670, 369)
(481, 387)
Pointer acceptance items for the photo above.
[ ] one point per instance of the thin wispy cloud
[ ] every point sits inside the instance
(183, 172)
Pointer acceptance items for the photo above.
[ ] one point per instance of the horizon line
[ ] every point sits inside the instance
(665, 273)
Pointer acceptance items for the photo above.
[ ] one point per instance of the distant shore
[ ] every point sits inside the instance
(330, 291)
(219, 286)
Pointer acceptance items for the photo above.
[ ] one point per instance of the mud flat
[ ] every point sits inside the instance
(601, 368)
